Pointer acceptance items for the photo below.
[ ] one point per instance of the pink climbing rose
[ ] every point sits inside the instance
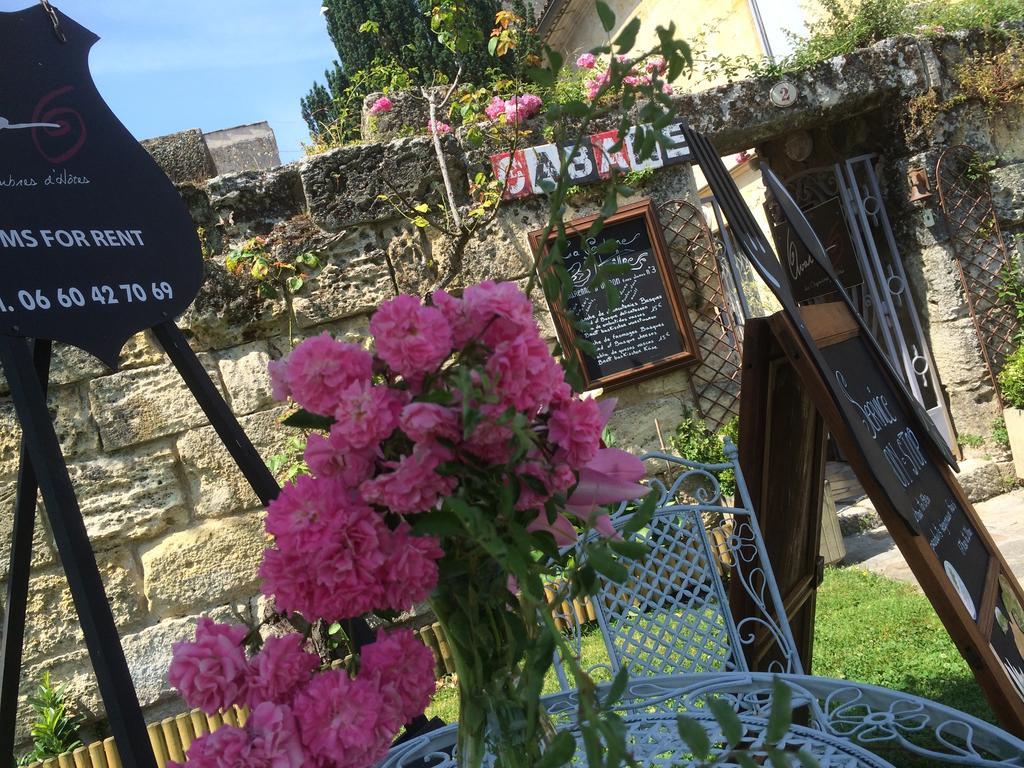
(278, 670)
(586, 61)
(410, 337)
(439, 128)
(381, 105)
(211, 672)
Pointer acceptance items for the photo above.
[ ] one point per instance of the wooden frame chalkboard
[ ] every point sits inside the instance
(927, 513)
(649, 333)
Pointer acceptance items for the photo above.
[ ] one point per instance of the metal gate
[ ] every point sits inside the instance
(965, 195)
(711, 298)
(884, 297)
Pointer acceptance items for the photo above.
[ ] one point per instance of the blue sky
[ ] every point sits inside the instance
(168, 65)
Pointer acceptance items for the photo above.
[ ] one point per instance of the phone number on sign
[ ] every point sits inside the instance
(70, 298)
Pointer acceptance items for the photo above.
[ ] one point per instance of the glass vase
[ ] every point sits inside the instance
(488, 636)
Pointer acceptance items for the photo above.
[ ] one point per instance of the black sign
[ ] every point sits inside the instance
(902, 464)
(95, 242)
(647, 331)
(807, 279)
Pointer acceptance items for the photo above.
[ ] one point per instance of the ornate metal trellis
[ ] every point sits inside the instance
(884, 298)
(709, 292)
(981, 256)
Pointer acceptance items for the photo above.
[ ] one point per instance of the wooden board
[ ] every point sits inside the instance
(649, 332)
(782, 455)
(918, 498)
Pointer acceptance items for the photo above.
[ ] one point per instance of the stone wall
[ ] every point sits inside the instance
(176, 530)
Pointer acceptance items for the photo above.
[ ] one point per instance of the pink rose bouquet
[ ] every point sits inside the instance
(448, 463)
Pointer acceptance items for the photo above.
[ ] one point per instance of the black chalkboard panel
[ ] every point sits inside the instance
(96, 243)
(917, 488)
(647, 332)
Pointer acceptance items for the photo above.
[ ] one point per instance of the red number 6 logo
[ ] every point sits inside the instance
(71, 126)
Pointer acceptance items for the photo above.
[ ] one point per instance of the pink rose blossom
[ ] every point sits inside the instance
(332, 457)
(611, 477)
(319, 368)
(530, 474)
(303, 510)
(409, 574)
(526, 376)
(405, 668)
(522, 107)
(667, 89)
(586, 61)
(211, 671)
(227, 747)
(348, 546)
(458, 315)
(275, 737)
(656, 64)
(439, 128)
(495, 109)
(381, 105)
(422, 421)
(346, 721)
(499, 312)
(490, 442)
(365, 414)
(575, 428)
(279, 670)
(411, 338)
(414, 485)
(279, 388)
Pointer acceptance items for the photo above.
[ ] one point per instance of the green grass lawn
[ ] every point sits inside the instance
(868, 628)
(876, 630)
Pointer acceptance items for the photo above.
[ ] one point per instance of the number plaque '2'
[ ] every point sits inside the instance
(95, 242)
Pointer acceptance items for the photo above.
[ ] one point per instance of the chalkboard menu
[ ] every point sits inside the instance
(647, 332)
(807, 280)
(916, 486)
(95, 241)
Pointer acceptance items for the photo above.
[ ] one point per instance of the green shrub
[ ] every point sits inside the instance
(1011, 379)
(54, 730)
(999, 434)
(692, 440)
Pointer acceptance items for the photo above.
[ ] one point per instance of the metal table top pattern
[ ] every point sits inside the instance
(652, 735)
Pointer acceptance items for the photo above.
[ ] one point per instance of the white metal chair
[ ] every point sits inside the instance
(672, 617)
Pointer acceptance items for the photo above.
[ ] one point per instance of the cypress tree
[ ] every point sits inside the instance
(402, 37)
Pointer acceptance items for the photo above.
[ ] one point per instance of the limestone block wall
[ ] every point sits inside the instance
(176, 530)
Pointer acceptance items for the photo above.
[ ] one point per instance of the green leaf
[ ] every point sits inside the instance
(745, 760)
(370, 26)
(627, 37)
(294, 283)
(618, 686)
(541, 76)
(728, 721)
(492, 46)
(421, 222)
(303, 419)
(778, 759)
(694, 736)
(421, 208)
(604, 563)
(606, 15)
(782, 712)
(634, 550)
(807, 760)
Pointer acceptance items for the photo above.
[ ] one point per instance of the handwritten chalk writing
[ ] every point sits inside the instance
(940, 530)
(10, 182)
(65, 179)
(874, 411)
(921, 504)
(964, 542)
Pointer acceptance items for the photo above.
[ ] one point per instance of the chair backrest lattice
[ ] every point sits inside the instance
(672, 615)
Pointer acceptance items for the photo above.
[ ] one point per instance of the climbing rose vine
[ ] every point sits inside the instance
(459, 409)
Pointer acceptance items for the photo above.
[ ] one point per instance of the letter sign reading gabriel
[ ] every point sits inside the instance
(95, 242)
